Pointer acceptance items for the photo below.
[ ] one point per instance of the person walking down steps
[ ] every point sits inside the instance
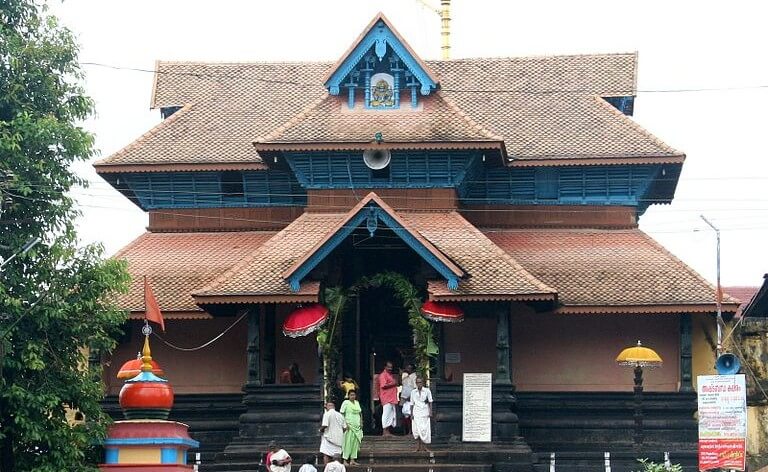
(421, 399)
(353, 436)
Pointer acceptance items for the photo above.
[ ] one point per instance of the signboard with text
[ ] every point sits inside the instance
(476, 412)
(722, 422)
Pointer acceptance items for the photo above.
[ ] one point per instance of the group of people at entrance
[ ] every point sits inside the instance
(342, 431)
(415, 400)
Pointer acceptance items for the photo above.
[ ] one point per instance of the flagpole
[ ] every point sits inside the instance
(146, 330)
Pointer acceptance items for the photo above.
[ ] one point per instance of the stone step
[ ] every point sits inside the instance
(413, 467)
(621, 461)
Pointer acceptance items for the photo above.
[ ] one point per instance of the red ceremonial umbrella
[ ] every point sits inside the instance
(132, 368)
(305, 319)
(442, 311)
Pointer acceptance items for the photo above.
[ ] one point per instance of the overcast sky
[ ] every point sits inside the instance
(682, 45)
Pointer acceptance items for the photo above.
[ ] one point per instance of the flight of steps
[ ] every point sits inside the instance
(396, 455)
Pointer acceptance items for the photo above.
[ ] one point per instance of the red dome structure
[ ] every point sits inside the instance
(146, 396)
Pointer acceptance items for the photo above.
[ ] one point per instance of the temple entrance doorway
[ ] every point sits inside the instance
(375, 331)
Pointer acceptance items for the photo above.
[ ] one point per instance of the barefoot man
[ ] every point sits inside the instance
(421, 414)
(388, 398)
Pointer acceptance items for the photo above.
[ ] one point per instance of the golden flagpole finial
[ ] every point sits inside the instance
(146, 353)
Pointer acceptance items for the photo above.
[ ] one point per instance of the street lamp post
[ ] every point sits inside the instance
(638, 357)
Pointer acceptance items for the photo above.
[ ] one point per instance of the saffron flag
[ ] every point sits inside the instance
(151, 308)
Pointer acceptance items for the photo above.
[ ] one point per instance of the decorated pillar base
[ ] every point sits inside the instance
(147, 445)
(289, 414)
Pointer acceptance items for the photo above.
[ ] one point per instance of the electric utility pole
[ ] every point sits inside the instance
(719, 293)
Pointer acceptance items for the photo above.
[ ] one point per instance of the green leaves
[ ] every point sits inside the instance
(58, 298)
(424, 340)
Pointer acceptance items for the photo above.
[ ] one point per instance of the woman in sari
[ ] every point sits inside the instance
(353, 436)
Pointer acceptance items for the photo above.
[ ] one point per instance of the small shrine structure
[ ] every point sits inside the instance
(146, 441)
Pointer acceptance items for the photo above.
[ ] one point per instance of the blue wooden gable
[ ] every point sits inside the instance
(380, 57)
(370, 212)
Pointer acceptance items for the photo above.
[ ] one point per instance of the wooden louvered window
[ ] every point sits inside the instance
(232, 185)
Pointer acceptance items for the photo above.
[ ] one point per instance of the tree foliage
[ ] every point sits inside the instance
(57, 298)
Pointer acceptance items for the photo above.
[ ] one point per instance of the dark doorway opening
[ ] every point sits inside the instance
(375, 331)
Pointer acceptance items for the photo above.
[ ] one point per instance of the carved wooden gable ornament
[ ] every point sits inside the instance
(380, 69)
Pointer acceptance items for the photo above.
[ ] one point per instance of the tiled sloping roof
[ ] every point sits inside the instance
(260, 274)
(617, 270)
(177, 264)
(608, 75)
(545, 108)
(282, 88)
(741, 293)
(491, 273)
(226, 106)
(331, 121)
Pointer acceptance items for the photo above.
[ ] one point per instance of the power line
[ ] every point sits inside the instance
(446, 89)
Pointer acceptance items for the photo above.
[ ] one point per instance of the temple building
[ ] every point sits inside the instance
(504, 191)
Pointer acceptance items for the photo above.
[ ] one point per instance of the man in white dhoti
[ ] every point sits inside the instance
(279, 460)
(388, 398)
(421, 414)
(332, 429)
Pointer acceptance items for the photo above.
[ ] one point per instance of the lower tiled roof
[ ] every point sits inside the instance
(491, 273)
(586, 271)
(260, 274)
(609, 271)
(177, 264)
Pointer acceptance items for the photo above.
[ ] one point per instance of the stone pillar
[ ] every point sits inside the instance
(502, 348)
(505, 421)
(254, 346)
(269, 374)
(686, 354)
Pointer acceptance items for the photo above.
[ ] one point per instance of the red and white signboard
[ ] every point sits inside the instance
(722, 422)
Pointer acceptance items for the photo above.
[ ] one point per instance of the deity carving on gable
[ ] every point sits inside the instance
(382, 91)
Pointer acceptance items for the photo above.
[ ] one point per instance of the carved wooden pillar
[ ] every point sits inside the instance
(686, 353)
(502, 348)
(254, 346)
(440, 367)
(270, 370)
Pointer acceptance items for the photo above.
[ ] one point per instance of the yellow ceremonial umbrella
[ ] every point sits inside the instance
(639, 356)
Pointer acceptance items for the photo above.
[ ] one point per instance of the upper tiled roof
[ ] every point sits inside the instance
(177, 264)
(225, 107)
(609, 270)
(331, 121)
(546, 109)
